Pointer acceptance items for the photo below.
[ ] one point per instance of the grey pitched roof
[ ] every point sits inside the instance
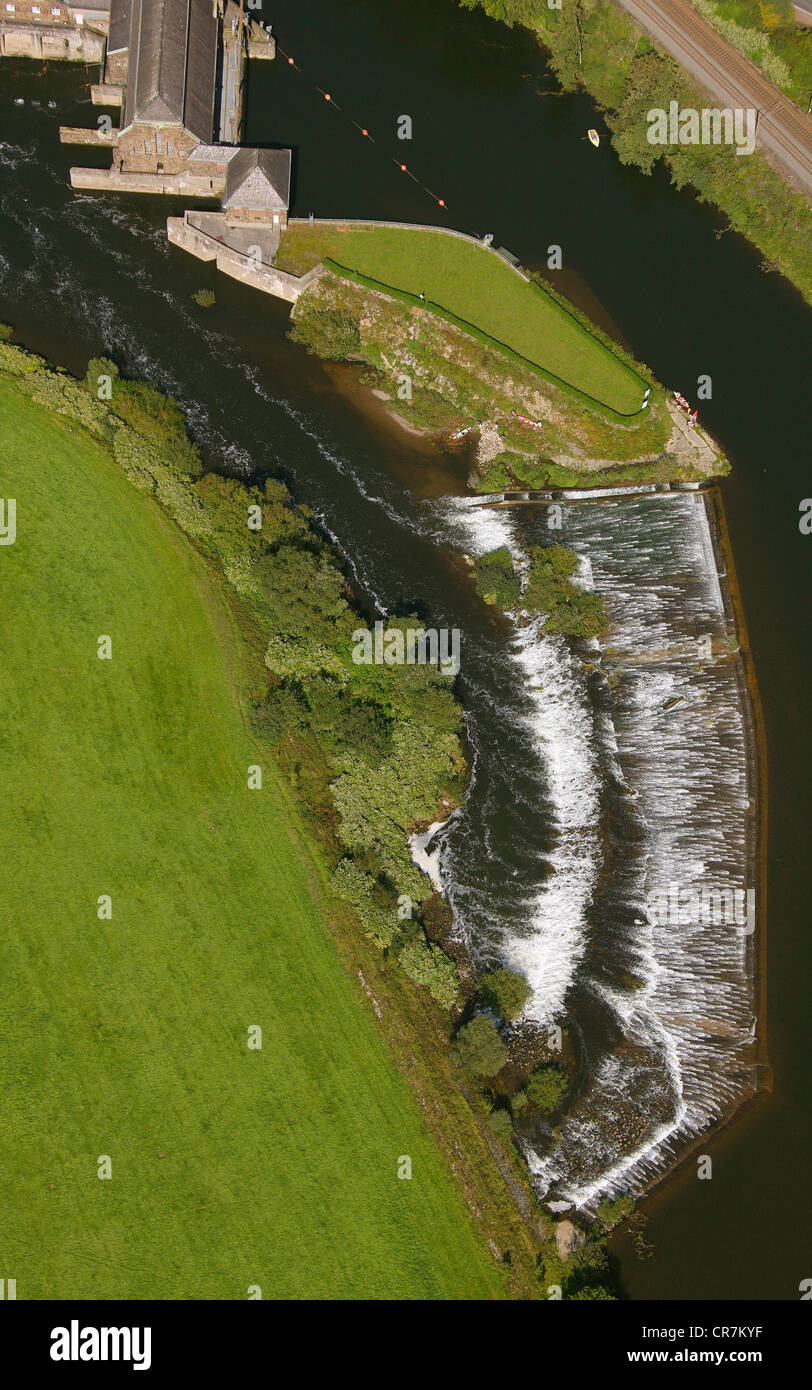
(258, 179)
(173, 57)
(119, 36)
(214, 154)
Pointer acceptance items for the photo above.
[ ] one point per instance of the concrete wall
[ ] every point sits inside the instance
(239, 267)
(54, 42)
(111, 181)
(82, 135)
(239, 217)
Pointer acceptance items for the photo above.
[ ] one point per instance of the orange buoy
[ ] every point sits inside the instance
(290, 60)
(326, 96)
(403, 167)
(365, 132)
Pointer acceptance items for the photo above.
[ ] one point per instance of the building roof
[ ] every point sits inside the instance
(172, 64)
(119, 35)
(258, 180)
(213, 154)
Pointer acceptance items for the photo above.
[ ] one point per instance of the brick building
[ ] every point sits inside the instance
(166, 52)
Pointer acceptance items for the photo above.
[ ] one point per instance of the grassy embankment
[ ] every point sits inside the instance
(596, 44)
(484, 345)
(128, 1037)
(475, 288)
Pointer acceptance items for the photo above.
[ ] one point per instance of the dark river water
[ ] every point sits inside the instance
(508, 154)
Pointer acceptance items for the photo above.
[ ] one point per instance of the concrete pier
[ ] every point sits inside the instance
(113, 181)
(82, 135)
(232, 93)
(194, 232)
(107, 94)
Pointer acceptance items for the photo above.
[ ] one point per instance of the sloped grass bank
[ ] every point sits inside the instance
(473, 289)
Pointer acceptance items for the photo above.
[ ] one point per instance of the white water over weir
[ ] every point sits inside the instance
(646, 918)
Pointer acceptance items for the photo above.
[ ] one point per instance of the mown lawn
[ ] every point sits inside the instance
(128, 1037)
(474, 285)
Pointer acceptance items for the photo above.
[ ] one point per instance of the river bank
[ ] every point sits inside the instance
(437, 378)
(82, 275)
(600, 47)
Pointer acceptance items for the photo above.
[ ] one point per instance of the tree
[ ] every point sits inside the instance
(547, 1087)
(496, 580)
(427, 964)
(482, 1047)
(505, 991)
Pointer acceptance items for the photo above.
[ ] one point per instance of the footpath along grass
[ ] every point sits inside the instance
(128, 1037)
(476, 286)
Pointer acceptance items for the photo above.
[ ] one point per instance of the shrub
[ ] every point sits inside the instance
(501, 1122)
(205, 298)
(496, 580)
(482, 1047)
(547, 1087)
(279, 714)
(98, 368)
(159, 420)
(331, 333)
(505, 991)
(429, 965)
(612, 1211)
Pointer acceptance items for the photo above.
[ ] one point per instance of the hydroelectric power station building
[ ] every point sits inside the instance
(176, 71)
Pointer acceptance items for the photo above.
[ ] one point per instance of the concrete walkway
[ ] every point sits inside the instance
(784, 133)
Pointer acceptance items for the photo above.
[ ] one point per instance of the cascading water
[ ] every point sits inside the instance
(640, 917)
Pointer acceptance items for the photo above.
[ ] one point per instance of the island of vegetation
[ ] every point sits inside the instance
(455, 339)
(549, 588)
(221, 808)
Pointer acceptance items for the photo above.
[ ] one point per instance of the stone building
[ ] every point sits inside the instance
(51, 29)
(258, 188)
(166, 53)
(177, 69)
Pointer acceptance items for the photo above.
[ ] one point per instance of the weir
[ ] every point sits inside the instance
(650, 754)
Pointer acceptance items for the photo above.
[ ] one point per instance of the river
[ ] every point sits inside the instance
(491, 135)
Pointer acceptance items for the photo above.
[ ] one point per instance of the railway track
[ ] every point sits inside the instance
(732, 78)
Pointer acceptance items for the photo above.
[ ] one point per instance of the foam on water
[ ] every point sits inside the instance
(672, 745)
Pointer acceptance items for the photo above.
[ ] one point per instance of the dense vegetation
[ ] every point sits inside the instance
(767, 31)
(128, 1034)
(476, 288)
(496, 579)
(595, 43)
(438, 376)
(571, 610)
(375, 749)
(548, 588)
(370, 751)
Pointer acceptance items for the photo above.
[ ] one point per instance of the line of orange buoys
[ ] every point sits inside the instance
(363, 130)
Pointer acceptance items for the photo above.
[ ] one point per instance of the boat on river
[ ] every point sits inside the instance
(594, 137)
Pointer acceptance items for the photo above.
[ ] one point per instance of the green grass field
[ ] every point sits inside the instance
(474, 285)
(128, 1037)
